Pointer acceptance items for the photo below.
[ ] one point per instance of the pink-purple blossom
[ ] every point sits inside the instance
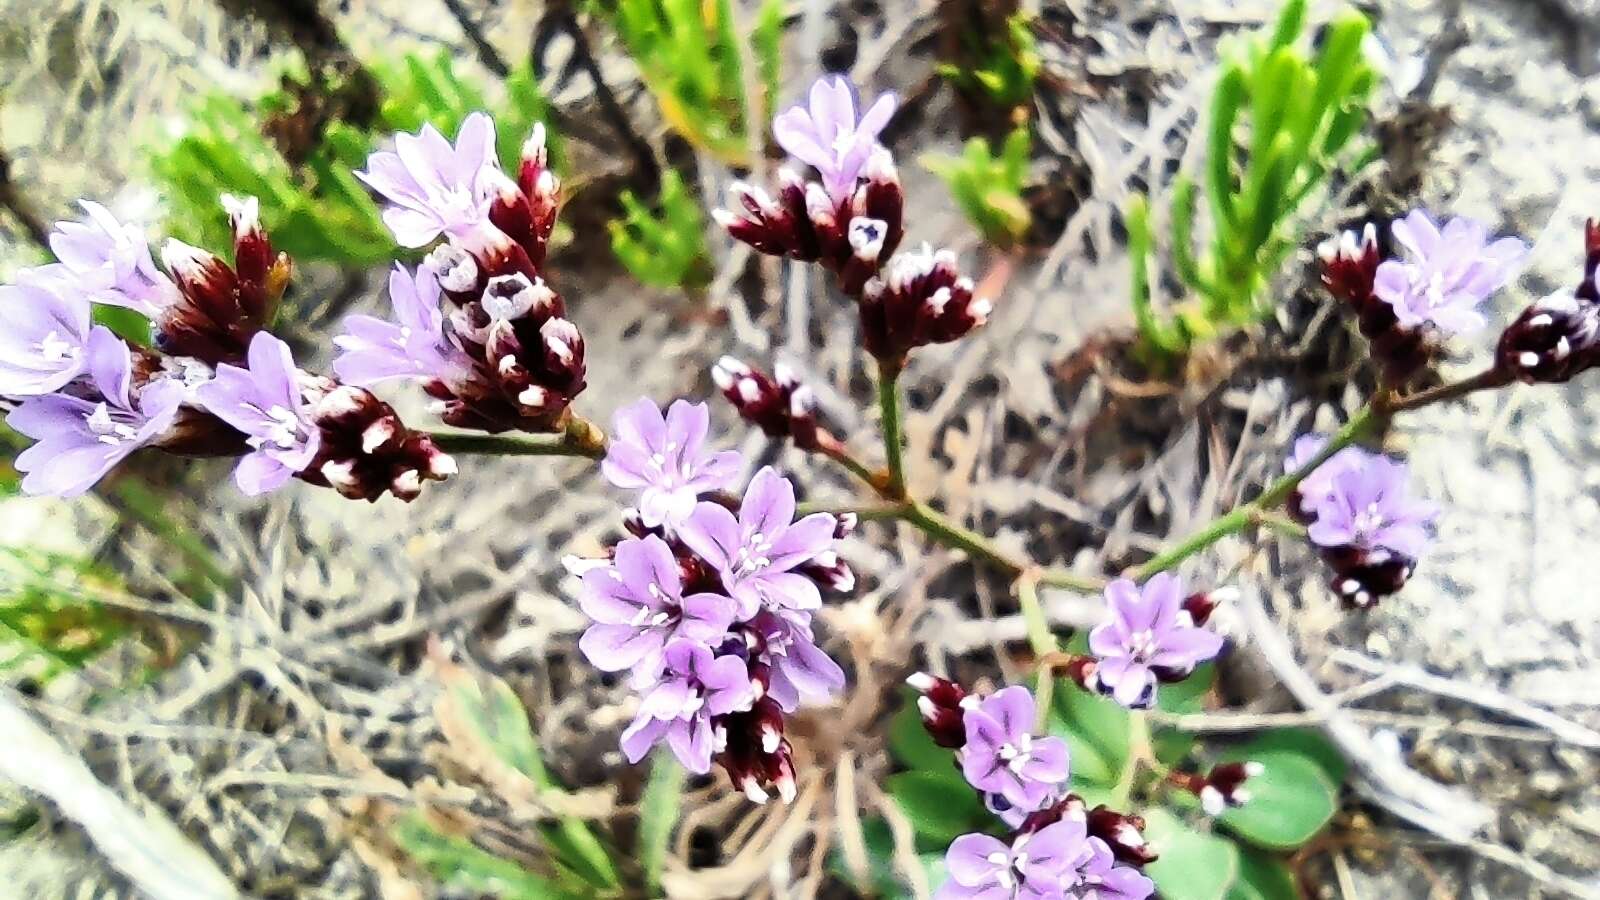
(264, 401)
(827, 134)
(1367, 504)
(1448, 274)
(44, 334)
(374, 350)
(638, 607)
(1147, 637)
(1002, 755)
(434, 187)
(80, 439)
(797, 668)
(757, 551)
(1037, 865)
(694, 687)
(1099, 877)
(110, 262)
(665, 459)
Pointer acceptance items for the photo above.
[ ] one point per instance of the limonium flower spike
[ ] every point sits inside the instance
(1448, 274)
(757, 550)
(665, 459)
(110, 262)
(264, 402)
(374, 350)
(434, 187)
(1149, 637)
(80, 439)
(1002, 756)
(638, 605)
(694, 687)
(44, 336)
(828, 135)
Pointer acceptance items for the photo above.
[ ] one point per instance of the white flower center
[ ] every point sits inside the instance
(1370, 520)
(1016, 755)
(752, 557)
(56, 349)
(1143, 644)
(108, 430)
(284, 431)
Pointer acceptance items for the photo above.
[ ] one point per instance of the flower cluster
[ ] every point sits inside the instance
(1057, 847)
(215, 383)
(1153, 634)
(708, 604)
(476, 324)
(852, 221)
(1358, 510)
(1403, 306)
(1559, 336)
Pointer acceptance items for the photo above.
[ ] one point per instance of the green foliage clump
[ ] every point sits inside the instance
(1280, 117)
(688, 53)
(49, 621)
(988, 188)
(316, 210)
(663, 245)
(1007, 67)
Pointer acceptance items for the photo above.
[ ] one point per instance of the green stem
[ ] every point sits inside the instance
(1042, 639)
(1240, 517)
(893, 427)
(580, 438)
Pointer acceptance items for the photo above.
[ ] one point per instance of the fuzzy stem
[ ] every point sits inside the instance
(1485, 380)
(893, 428)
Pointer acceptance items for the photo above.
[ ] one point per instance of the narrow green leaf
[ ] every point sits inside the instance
(1291, 21)
(462, 865)
(1226, 101)
(658, 815)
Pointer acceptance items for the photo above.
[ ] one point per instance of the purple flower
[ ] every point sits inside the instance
(435, 188)
(799, 668)
(1035, 866)
(756, 551)
(1149, 636)
(44, 334)
(828, 136)
(1100, 878)
(1368, 505)
(110, 262)
(666, 458)
(694, 688)
(80, 440)
(1318, 485)
(1448, 274)
(1003, 757)
(638, 607)
(412, 346)
(264, 401)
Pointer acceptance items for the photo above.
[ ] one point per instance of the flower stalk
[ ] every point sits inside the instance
(581, 438)
(893, 427)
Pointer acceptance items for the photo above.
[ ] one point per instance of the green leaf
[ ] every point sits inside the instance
(125, 323)
(658, 814)
(1193, 865)
(1187, 696)
(1263, 876)
(941, 806)
(1290, 801)
(462, 865)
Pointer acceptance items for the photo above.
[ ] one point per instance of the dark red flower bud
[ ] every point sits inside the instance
(1553, 340)
(1124, 834)
(366, 451)
(1081, 669)
(1364, 576)
(1349, 271)
(780, 406)
(221, 307)
(921, 298)
(1221, 788)
(943, 707)
(525, 211)
(829, 572)
(755, 752)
